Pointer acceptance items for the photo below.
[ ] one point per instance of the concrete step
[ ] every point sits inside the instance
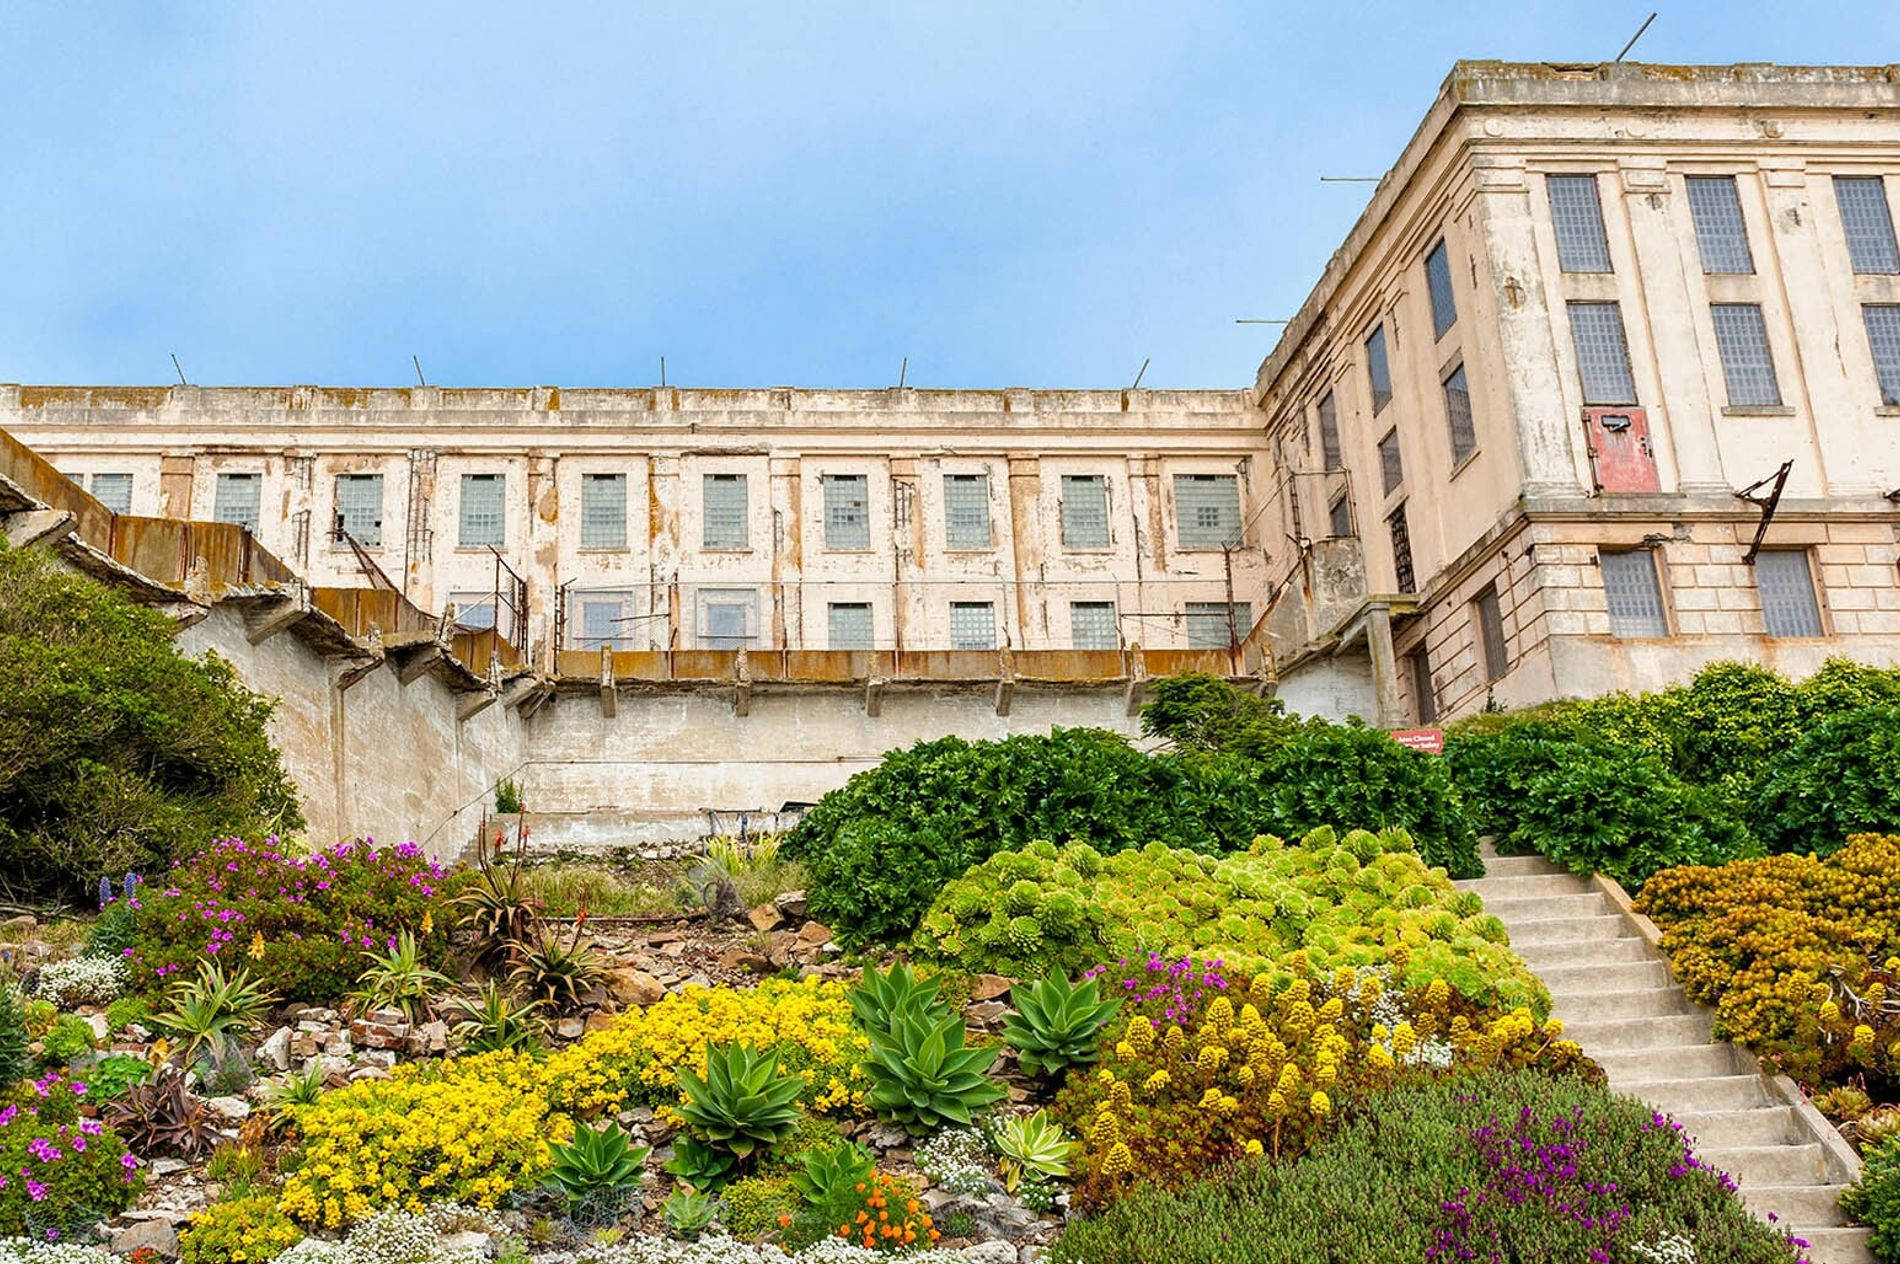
(1524, 885)
(1837, 1246)
(1626, 1066)
(1518, 867)
(1595, 978)
(1698, 1095)
(1815, 1205)
(1610, 1034)
(1581, 934)
(1596, 1007)
(1768, 1164)
(1515, 907)
(1762, 1125)
(1606, 952)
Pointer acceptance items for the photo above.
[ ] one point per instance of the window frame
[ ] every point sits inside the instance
(1438, 284)
(1340, 503)
(957, 638)
(338, 513)
(1572, 309)
(1571, 250)
(616, 529)
(1494, 652)
(715, 541)
(481, 478)
(1212, 539)
(842, 535)
(1712, 225)
(1664, 618)
(621, 638)
(1399, 531)
(1112, 641)
(1235, 621)
(120, 478)
(1378, 369)
(1067, 486)
(1470, 430)
(1331, 454)
(1391, 462)
(706, 599)
(961, 536)
(832, 610)
(1859, 257)
(254, 480)
(1810, 587)
(1734, 336)
(1424, 688)
(1887, 379)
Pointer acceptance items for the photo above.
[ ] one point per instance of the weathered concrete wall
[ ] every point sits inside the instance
(380, 758)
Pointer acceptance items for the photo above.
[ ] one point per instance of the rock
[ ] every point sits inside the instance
(156, 1236)
(469, 1240)
(989, 1253)
(986, 1013)
(570, 1029)
(886, 1136)
(168, 1167)
(99, 1026)
(430, 1038)
(744, 959)
(230, 1109)
(989, 987)
(1032, 1253)
(338, 1045)
(369, 1073)
(1000, 1216)
(385, 1058)
(766, 917)
(276, 1049)
(382, 1029)
(790, 903)
(599, 1020)
(20, 922)
(697, 979)
(675, 949)
(634, 987)
(814, 933)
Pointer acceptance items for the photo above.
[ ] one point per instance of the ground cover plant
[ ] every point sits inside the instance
(1501, 1165)
(117, 752)
(62, 1172)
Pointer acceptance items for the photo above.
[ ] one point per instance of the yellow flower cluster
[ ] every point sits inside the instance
(808, 1021)
(243, 1231)
(468, 1130)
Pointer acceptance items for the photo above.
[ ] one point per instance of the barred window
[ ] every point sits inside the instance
(726, 617)
(238, 499)
(847, 511)
(1424, 693)
(1391, 464)
(1720, 233)
(1378, 370)
(1329, 431)
(1206, 510)
(1883, 339)
(359, 509)
(1084, 511)
(1092, 625)
(966, 511)
(1491, 633)
(723, 508)
(850, 625)
(481, 515)
(1577, 216)
(1603, 356)
(604, 619)
(1438, 284)
(1786, 584)
(1632, 593)
(1747, 364)
(972, 625)
(1339, 518)
(603, 511)
(114, 491)
(1464, 432)
(1401, 551)
(1867, 221)
(1215, 625)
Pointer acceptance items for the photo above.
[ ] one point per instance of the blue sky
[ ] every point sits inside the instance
(1030, 194)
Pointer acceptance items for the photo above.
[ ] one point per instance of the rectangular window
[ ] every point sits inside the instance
(1329, 431)
(474, 612)
(972, 625)
(1491, 633)
(1577, 217)
(966, 511)
(1438, 284)
(1632, 593)
(114, 491)
(1339, 519)
(1206, 510)
(1603, 356)
(726, 616)
(604, 620)
(1747, 364)
(1720, 234)
(1378, 370)
(1391, 465)
(1867, 221)
(1786, 584)
(238, 499)
(1215, 625)
(603, 511)
(1424, 695)
(1883, 339)
(850, 625)
(723, 507)
(481, 512)
(1084, 511)
(1092, 625)
(359, 510)
(847, 512)
(1401, 551)
(1464, 433)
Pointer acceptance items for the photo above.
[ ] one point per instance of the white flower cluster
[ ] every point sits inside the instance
(717, 1248)
(27, 1251)
(395, 1236)
(1670, 1248)
(82, 981)
(953, 1159)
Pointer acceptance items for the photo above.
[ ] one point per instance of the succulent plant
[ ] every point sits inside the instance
(688, 1215)
(162, 1117)
(742, 1104)
(700, 1165)
(1029, 1144)
(922, 1076)
(556, 973)
(1057, 1024)
(881, 996)
(598, 1162)
(829, 1169)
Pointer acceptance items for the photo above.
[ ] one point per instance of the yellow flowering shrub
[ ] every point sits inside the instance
(808, 1021)
(1260, 1067)
(248, 1230)
(468, 1130)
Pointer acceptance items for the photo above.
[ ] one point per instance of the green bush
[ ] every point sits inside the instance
(1410, 1177)
(1874, 1199)
(1199, 712)
(14, 1062)
(1841, 778)
(116, 751)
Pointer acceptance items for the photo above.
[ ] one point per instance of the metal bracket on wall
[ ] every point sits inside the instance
(1766, 503)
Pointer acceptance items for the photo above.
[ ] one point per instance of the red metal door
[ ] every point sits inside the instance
(1621, 456)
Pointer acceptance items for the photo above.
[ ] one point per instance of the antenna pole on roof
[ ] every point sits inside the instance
(903, 372)
(420, 380)
(180, 371)
(1350, 179)
(1639, 34)
(1140, 375)
(1273, 320)
(662, 371)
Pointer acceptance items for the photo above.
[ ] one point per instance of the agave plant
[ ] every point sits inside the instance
(688, 1215)
(162, 1117)
(700, 1165)
(214, 1006)
(1056, 1024)
(922, 1076)
(398, 980)
(829, 1170)
(742, 1104)
(1030, 1143)
(599, 1164)
(493, 1021)
(496, 908)
(880, 997)
(557, 974)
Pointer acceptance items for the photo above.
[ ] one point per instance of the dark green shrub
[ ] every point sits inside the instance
(1351, 777)
(1199, 712)
(14, 1062)
(873, 879)
(116, 751)
(1387, 1189)
(1874, 1199)
(1493, 770)
(1841, 778)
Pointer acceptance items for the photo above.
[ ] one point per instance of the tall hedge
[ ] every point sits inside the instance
(117, 751)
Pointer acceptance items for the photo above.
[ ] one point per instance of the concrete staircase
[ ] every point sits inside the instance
(1613, 990)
